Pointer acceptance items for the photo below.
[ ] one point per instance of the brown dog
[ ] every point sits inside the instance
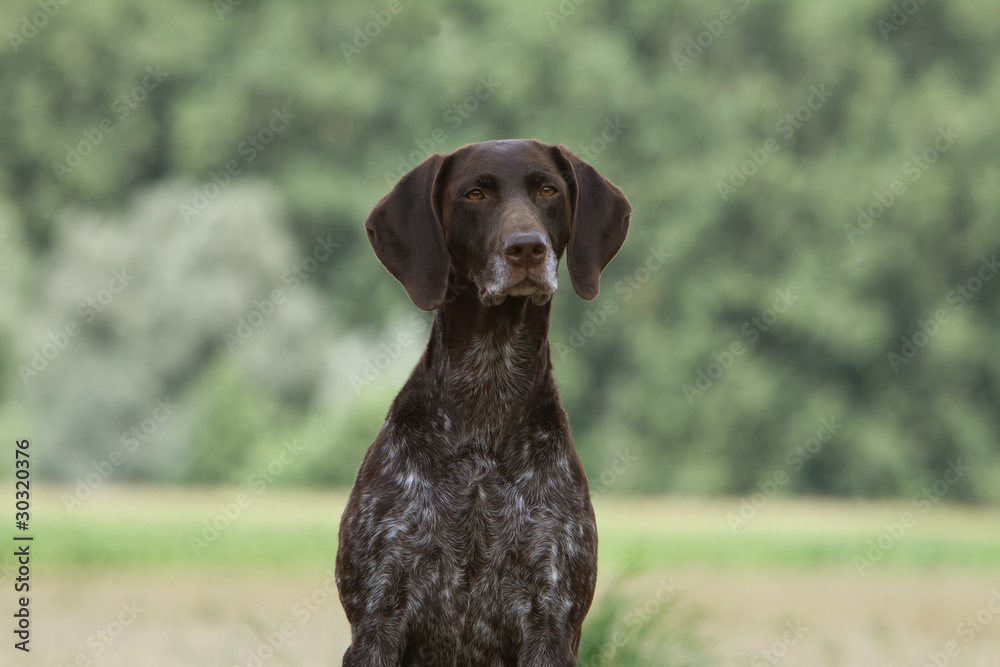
(469, 537)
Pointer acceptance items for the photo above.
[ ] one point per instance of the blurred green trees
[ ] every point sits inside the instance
(815, 219)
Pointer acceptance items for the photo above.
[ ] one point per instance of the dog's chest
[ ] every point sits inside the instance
(488, 502)
(490, 516)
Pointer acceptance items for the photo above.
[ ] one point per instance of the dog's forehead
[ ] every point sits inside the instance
(510, 157)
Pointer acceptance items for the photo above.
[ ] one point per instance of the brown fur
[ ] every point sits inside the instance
(469, 536)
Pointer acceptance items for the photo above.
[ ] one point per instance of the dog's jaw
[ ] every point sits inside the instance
(500, 280)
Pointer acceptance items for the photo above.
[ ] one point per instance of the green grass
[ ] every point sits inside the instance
(632, 629)
(151, 528)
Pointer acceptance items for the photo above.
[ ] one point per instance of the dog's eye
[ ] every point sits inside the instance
(547, 191)
(475, 195)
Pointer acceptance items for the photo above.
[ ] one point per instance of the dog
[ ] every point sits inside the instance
(469, 537)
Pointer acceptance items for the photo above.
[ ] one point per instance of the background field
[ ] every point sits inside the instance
(727, 596)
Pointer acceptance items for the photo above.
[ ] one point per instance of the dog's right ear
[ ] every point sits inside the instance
(405, 231)
(600, 222)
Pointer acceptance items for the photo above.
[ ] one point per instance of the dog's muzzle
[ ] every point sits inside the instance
(526, 266)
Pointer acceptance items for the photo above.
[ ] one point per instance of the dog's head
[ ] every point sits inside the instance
(500, 214)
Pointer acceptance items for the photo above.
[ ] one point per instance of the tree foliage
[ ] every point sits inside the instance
(813, 236)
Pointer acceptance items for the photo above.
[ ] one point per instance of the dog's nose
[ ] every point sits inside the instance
(525, 248)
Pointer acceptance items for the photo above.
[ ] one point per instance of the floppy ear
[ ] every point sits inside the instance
(405, 231)
(600, 217)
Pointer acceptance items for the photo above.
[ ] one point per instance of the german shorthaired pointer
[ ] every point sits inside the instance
(469, 537)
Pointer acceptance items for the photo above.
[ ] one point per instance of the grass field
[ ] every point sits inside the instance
(168, 576)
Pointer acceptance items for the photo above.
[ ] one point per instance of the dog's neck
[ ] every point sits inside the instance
(488, 360)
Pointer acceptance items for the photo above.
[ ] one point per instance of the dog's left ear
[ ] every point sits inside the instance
(600, 217)
(405, 231)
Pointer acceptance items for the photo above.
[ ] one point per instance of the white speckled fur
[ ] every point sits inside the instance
(469, 537)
